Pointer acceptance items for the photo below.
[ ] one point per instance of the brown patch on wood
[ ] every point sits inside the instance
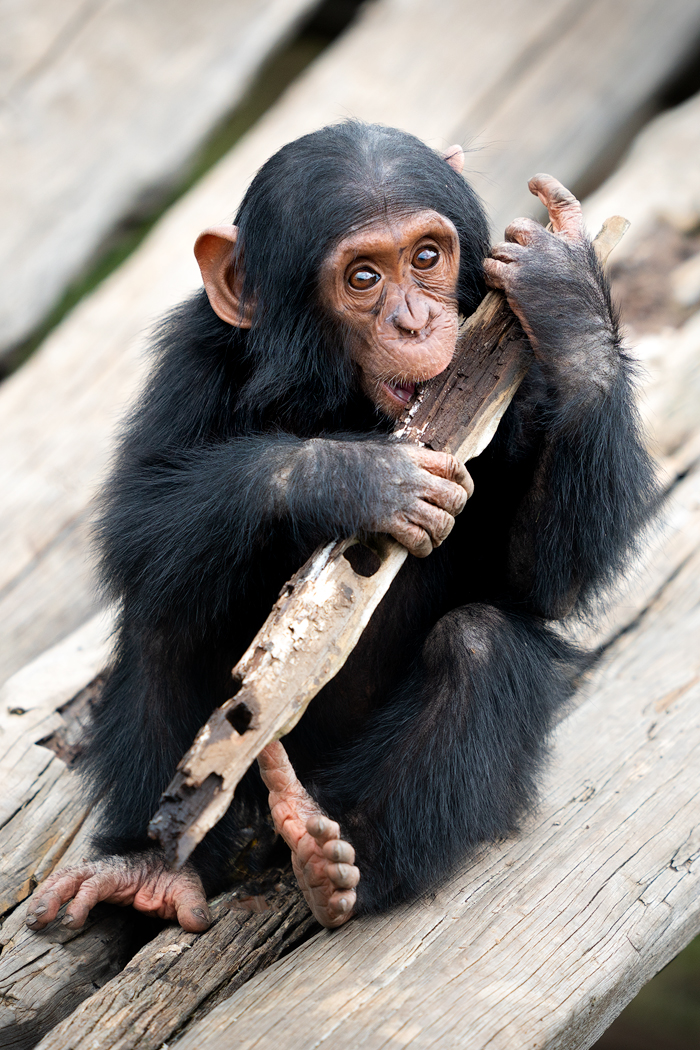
(675, 694)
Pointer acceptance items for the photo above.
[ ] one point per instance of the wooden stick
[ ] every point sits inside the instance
(322, 611)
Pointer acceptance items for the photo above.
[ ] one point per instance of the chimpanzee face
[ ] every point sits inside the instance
(391, 288)
(392, 284)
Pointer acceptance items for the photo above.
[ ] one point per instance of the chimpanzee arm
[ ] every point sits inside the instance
(194, 498)
(593, 484)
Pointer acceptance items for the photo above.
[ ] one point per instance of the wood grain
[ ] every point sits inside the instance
(103, 103)
(179, 976)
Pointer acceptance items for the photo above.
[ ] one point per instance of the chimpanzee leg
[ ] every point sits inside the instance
(451, 760)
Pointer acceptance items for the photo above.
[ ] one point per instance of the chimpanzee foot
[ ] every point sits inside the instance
(323, 862)
(141, 880)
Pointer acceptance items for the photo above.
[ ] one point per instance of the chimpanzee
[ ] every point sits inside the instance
(265, 430)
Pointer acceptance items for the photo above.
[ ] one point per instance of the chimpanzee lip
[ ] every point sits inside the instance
(402, 392)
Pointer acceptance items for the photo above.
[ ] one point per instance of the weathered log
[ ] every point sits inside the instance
(179, 976)
(44, 976)
(41, 811)
(323, 609)
(102, 104)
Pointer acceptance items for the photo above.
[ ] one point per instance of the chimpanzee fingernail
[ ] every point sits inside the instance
(343, 904)
(31, 920)
(68, 920)
(201, 914)
(40, 909)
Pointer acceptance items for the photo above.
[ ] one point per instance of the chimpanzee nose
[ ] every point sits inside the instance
(411, 313)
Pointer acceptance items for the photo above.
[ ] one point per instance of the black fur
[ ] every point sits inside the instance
(217, 496)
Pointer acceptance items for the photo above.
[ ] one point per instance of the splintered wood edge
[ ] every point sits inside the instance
(329, 568)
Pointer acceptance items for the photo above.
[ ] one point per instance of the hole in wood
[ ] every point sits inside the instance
(240, 717)
(364, 560)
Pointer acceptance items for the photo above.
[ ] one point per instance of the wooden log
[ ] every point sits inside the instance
(44, 977)
(179, 976)
(323, 609)
(658, 181)
(57, 414)
(103, 103)
(542, 939)
(41, 812)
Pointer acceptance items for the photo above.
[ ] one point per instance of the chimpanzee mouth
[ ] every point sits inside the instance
(403, 392)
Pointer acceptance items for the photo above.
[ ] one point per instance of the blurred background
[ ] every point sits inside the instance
(127, 126)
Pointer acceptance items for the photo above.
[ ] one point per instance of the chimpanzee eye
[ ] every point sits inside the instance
(425, 258)
(363, 278)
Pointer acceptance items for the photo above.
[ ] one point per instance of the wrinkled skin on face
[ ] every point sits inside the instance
(392, 285)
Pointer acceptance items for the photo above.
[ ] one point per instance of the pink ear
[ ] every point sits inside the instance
(455, 158)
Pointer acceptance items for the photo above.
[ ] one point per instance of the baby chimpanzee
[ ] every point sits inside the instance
(265, 430)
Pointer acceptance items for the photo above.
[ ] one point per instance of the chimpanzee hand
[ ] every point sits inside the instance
(374, 485)
(556, 288)
(430, 489)
(142, 880)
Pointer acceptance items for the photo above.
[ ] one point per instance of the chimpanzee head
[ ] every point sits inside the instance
(353, 253)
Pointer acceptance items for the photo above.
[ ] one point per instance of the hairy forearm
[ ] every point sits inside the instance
(593, 489)
(575, 335)
(188, 525)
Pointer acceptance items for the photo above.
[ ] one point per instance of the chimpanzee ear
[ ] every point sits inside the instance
(455, 158)
(223, 282)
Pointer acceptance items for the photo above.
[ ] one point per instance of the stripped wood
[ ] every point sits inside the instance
(57, 415)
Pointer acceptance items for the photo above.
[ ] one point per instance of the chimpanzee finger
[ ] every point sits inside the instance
(509, 251)
(323, 828)
(442, 464)
(498, 274)
(445, 494)
(340, 851)
(190, 905)
(436, 522)
(49, 898)
(44, 909)
(415, 539)
(91, 892)
(524, 232)
(344, 876)
(339, 906)
(564, 209)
